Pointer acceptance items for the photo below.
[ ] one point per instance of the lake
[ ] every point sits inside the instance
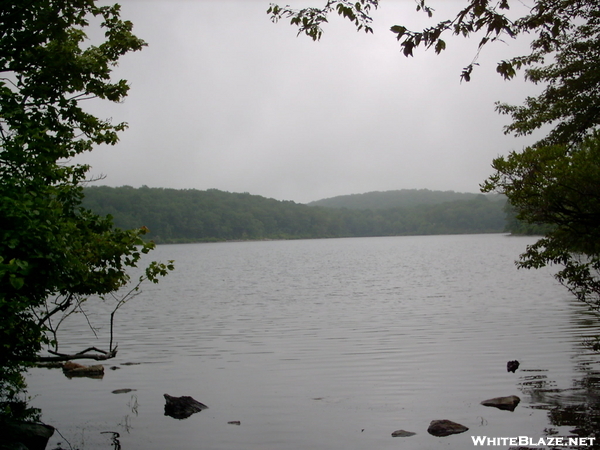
(332, 344)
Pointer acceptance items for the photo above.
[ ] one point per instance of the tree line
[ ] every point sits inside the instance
(555, 182)
(397, 198)
(190, 215)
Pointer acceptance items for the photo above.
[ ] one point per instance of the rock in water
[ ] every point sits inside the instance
(71, 369)
(402, 433)
(445, 428)
(507, 403)
(512, 366)
(32, 436)
(123, 391)
(182, 407)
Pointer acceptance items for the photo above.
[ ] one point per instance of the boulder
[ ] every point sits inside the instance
(512, 366)
(445, 428)
(507, 403)
(28, 435)
(72, 369)
(182, 407)
(402, 433)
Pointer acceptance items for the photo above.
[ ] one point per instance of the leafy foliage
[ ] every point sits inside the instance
(49, 245)
(548, 21)
(191, 215)
(520, 227)
(309, 20)
(570, 101)
(556, 182)
(558, 186)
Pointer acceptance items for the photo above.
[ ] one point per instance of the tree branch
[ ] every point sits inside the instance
(104, 355)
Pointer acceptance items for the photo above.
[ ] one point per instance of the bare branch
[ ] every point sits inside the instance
(103, 356)
(62, 306)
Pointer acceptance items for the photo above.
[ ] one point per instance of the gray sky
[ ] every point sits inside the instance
(223, 98)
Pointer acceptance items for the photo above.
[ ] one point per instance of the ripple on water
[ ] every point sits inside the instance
(387, 333)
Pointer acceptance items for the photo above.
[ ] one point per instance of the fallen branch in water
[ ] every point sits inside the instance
(104, 355)
(71, 303)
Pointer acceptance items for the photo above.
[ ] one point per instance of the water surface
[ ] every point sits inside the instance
(331, 344)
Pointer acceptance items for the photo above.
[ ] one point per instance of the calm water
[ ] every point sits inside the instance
(333, 344)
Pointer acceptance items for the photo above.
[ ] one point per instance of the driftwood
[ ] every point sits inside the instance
(103, 355)
(182, 407)
(72, 303)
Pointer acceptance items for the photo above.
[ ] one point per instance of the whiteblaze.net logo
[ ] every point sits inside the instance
(556, 441)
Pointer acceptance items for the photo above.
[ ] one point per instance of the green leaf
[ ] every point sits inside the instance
(439, 46)
(16, 282)
(398, 30)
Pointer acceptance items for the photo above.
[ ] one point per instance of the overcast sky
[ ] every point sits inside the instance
(223, 98)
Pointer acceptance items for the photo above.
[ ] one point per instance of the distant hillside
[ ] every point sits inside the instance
(193, 216)
(404, 198)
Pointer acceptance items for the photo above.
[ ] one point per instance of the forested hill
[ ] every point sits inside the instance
(193, 216)
(404, 198)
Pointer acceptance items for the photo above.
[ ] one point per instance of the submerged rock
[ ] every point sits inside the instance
(123, 391)
(182, 407)
(445, 428)
(402, 433)
(71, 369)
(506, 403)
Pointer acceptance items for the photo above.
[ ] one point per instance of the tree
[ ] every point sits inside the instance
(54, 254)
(559, 186)
(555, 182)
(570, 101)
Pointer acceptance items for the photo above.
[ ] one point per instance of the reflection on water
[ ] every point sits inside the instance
(573, 411)
(335, 344)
